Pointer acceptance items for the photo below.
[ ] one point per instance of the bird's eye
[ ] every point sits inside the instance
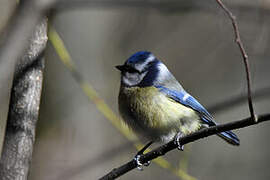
(132, 70)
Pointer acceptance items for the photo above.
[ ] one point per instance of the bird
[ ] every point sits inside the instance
(156, 106)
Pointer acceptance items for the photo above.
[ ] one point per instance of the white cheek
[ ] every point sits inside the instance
(132, 79)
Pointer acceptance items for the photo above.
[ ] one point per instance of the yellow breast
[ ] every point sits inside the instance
(148, 111)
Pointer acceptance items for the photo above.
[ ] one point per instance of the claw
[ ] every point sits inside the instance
(139, 164)
(147, 163)
(138, 156)
(177, 141)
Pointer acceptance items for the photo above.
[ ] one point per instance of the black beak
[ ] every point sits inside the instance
(120, 67)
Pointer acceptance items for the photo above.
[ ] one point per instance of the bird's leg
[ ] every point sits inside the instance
(138, 156)
(177, 138)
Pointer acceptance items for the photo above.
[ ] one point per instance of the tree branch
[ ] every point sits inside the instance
(244, 55)
(160, 151)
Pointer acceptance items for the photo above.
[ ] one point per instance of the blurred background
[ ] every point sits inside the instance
(195, 40)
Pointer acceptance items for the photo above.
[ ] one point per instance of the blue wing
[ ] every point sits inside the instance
(184, 98)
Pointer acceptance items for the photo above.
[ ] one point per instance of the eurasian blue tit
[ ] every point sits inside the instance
(154, 104)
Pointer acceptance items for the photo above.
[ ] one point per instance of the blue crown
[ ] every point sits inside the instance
(138, 57)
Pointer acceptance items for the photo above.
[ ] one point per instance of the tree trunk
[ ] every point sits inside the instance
(24, 108)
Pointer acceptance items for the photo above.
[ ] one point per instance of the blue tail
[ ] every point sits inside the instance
(230, 137)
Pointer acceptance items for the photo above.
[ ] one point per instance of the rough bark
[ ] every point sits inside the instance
(23, 109)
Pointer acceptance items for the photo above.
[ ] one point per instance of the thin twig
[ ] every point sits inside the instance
(244, 55)
(160, 151)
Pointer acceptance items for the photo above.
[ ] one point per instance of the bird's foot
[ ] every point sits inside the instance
(139, 163)
(177, 141)
(138, 156)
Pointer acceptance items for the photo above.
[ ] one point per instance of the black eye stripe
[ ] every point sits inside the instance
(131, 70)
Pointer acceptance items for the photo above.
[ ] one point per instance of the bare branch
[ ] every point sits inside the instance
(160, 151)
(244, 55)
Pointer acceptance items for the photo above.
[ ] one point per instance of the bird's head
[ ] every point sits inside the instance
(140, 69)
